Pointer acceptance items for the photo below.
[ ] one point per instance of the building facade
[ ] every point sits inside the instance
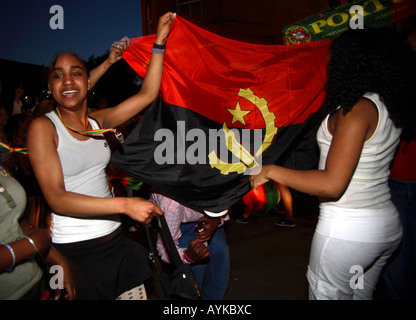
(255, 21)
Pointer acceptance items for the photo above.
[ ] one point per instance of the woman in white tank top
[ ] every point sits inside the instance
(370, 102)
(69, 165)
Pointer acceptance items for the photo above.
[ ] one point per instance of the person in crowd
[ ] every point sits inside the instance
(265, 199)
(21, 276)
(17, 102)
(46, 104)
(101, 103)
(69, 163)
(287, 202)
(16, 130)
(19, 124)
(400, 273)
(5, 156)
(200, 241)
(369, 103)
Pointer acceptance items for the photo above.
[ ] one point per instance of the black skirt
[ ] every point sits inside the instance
(106, 267)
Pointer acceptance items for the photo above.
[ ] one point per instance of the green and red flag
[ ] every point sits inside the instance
(330, 23)
(217, 90)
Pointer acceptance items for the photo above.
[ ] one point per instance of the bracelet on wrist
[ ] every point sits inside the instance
(11, 268)
(31, 242)
(158, 48)
(187, 258)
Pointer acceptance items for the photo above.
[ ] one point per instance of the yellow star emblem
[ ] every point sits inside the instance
(238, 114)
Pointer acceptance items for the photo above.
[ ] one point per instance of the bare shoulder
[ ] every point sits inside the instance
(365, 113)
(41, 128)
(366, 106)
(42, 122)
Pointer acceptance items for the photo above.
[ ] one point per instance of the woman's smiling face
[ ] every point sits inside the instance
(68, 81)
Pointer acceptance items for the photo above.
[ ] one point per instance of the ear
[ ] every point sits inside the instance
(89, 84)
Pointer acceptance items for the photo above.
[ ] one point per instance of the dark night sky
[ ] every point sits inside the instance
(90, 27)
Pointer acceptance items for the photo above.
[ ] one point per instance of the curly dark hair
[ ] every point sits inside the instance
(378, 61)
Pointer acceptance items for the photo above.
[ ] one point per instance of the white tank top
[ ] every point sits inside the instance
(83, 164)
(369, 185)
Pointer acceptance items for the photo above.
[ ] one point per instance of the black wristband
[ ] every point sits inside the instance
(159, 46)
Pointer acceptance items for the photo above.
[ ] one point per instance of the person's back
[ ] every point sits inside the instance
(356, 215)
(368, 187)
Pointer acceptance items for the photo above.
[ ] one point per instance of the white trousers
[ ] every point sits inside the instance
(346, 270)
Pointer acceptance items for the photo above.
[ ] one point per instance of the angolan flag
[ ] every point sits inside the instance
(226, 107)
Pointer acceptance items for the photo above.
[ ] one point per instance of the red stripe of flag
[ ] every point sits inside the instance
(204, 72)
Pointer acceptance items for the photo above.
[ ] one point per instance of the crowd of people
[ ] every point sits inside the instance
(57, 154)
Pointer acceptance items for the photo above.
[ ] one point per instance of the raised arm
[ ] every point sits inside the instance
(112, 117)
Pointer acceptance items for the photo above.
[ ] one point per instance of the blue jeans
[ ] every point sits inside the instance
(400, 273)
(212, 275)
